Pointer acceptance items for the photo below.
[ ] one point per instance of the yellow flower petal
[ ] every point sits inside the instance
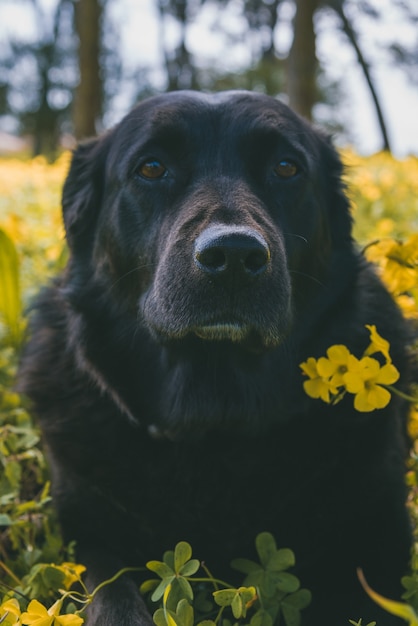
(325, 367)
(377, 344)
(387, 375)
(353, 381)
(72, 573)
(68, 620)
(10, 612)
(309, 367)
(361, 402)
(37, 615)
(378, 397)
(338, 354)
(317, 388)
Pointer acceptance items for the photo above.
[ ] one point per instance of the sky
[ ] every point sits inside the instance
(138, 30)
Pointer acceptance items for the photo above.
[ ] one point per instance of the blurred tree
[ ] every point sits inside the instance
(72, 50)
(302, 62)
(302, 70)
(75, 48)
(87, 107)
(348, 30)
(179, 63)
(40, 76)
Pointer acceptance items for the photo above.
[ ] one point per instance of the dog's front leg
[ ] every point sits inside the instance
(118, 603)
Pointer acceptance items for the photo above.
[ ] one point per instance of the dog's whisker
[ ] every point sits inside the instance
(132, 271)
(313, 278)
(296, 235)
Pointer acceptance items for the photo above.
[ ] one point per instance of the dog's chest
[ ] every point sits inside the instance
(164, 492)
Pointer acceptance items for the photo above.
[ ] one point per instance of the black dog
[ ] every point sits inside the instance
(210, 254)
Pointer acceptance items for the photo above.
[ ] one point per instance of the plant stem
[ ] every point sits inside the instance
(109, 581)
(401, 394)
(214, 581)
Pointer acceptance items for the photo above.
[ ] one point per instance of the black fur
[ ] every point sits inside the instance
(166, 377)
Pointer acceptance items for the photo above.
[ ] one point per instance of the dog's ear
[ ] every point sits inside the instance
(83, 190)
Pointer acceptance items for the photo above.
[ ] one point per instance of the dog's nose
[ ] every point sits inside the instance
(229, 251)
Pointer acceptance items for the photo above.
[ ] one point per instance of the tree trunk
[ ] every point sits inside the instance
(87, 107)
(302, 62)
(351, 35)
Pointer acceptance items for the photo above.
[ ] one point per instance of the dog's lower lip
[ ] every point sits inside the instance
(225, 331)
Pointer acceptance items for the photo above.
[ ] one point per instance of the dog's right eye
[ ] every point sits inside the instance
(152, 169)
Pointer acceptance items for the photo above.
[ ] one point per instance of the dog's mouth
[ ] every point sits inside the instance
(234, 332)
(238, 334)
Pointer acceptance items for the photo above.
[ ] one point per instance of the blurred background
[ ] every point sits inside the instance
(71, 68)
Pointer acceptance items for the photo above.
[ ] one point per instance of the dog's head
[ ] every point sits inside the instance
(207, 216)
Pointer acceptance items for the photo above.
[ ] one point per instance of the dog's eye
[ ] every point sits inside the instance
(286, 169)
(152, 169)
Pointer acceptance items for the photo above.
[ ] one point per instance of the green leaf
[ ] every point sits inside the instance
(300, 599)
(159, 618)
(237, 599)
(190, 568)
(159, 591)
(238, 607)
(53, 577)
(288, 582)
(13, 473)
(185, 613)
(182, 554)
(168, 558)
(224, 597)
(292, 605)
(245, 566)
(186, 588)
(282, 559)
(291, 614)
(400, 609)
(5, 520)
(266, 547)
(148, 585)
(261, 618)
(160, 568)
(10, 295)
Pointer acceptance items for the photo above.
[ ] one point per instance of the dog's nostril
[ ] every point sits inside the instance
(212, 258)
(227, 250)
(257, 260)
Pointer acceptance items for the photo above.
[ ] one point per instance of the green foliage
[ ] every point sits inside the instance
(29, 532)
(268, 592)
(10, 295)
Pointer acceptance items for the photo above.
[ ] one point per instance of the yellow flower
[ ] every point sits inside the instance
(377, 344)
(413, 422)
(72, 573)
(336, 365)
(10, 613)
(408, 305)
(365, 382)
(317, 386)
(38, 615)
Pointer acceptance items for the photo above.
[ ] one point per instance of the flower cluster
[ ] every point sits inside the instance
(339, 372)
(36, 615)
(398, 263)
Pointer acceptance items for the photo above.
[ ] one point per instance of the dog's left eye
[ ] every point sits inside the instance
(286, 169)
(152, 169)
